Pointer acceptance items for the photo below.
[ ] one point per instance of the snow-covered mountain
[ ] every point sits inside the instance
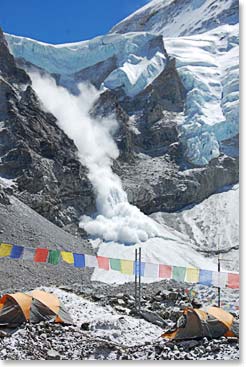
(177, 18)
(203, 37)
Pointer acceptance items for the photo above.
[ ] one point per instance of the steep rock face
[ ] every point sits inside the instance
(36, 152)
(151, 163)
(8, 69)
(158, 184)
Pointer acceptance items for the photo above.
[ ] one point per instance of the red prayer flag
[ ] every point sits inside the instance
(41, 255)
(233, 280)
(165, 271)
(103, 262)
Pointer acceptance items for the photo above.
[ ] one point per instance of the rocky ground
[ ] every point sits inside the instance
(107, 327)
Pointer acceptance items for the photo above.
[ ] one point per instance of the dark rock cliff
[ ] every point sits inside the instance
(36, 152)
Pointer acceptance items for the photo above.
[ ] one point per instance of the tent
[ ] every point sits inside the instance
(34, 307)
(197, 323)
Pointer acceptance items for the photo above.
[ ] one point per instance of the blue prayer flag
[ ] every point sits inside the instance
(16, 252)
(137, 268)
(205, 277)
(79, 260)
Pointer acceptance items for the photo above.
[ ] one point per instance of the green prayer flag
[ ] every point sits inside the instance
(115, 264)
(179, 273)
(54, 256)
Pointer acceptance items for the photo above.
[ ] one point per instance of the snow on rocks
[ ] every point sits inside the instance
(112, 335)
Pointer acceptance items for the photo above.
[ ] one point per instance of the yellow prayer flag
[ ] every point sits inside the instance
(5, 249)
(126, 267)
(67, 257)
(192, 275)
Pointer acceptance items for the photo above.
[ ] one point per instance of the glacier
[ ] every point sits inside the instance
(207, 64)
(212, 104)
(208, 67)
(203, 36)
(140, 57)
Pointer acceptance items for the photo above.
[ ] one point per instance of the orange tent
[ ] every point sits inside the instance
(196, 323)
(34, 307)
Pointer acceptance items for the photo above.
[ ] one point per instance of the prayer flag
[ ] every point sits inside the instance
(115, 264)
(67, 257)
(5, 249)
(179, 273)
(219, 279)
(41, 255)
(103, 262)
(79, 260)
(54, 256)
(151, 270)
(165, 271)
(233, 280)
(16, 252)
(126, 267)
(139, 268)
(90, 261)
(28, 253)
(205, 277)
(192, 275)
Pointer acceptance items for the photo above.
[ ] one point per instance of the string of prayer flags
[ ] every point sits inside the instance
(125, 266)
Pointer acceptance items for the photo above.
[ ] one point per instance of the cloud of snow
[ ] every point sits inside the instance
(116, 219)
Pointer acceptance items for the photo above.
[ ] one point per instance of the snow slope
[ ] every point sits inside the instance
(174, 18)
(210, 225)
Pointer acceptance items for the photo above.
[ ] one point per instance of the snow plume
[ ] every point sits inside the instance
(116, 219)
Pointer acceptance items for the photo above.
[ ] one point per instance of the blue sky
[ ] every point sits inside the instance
(59, 21)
